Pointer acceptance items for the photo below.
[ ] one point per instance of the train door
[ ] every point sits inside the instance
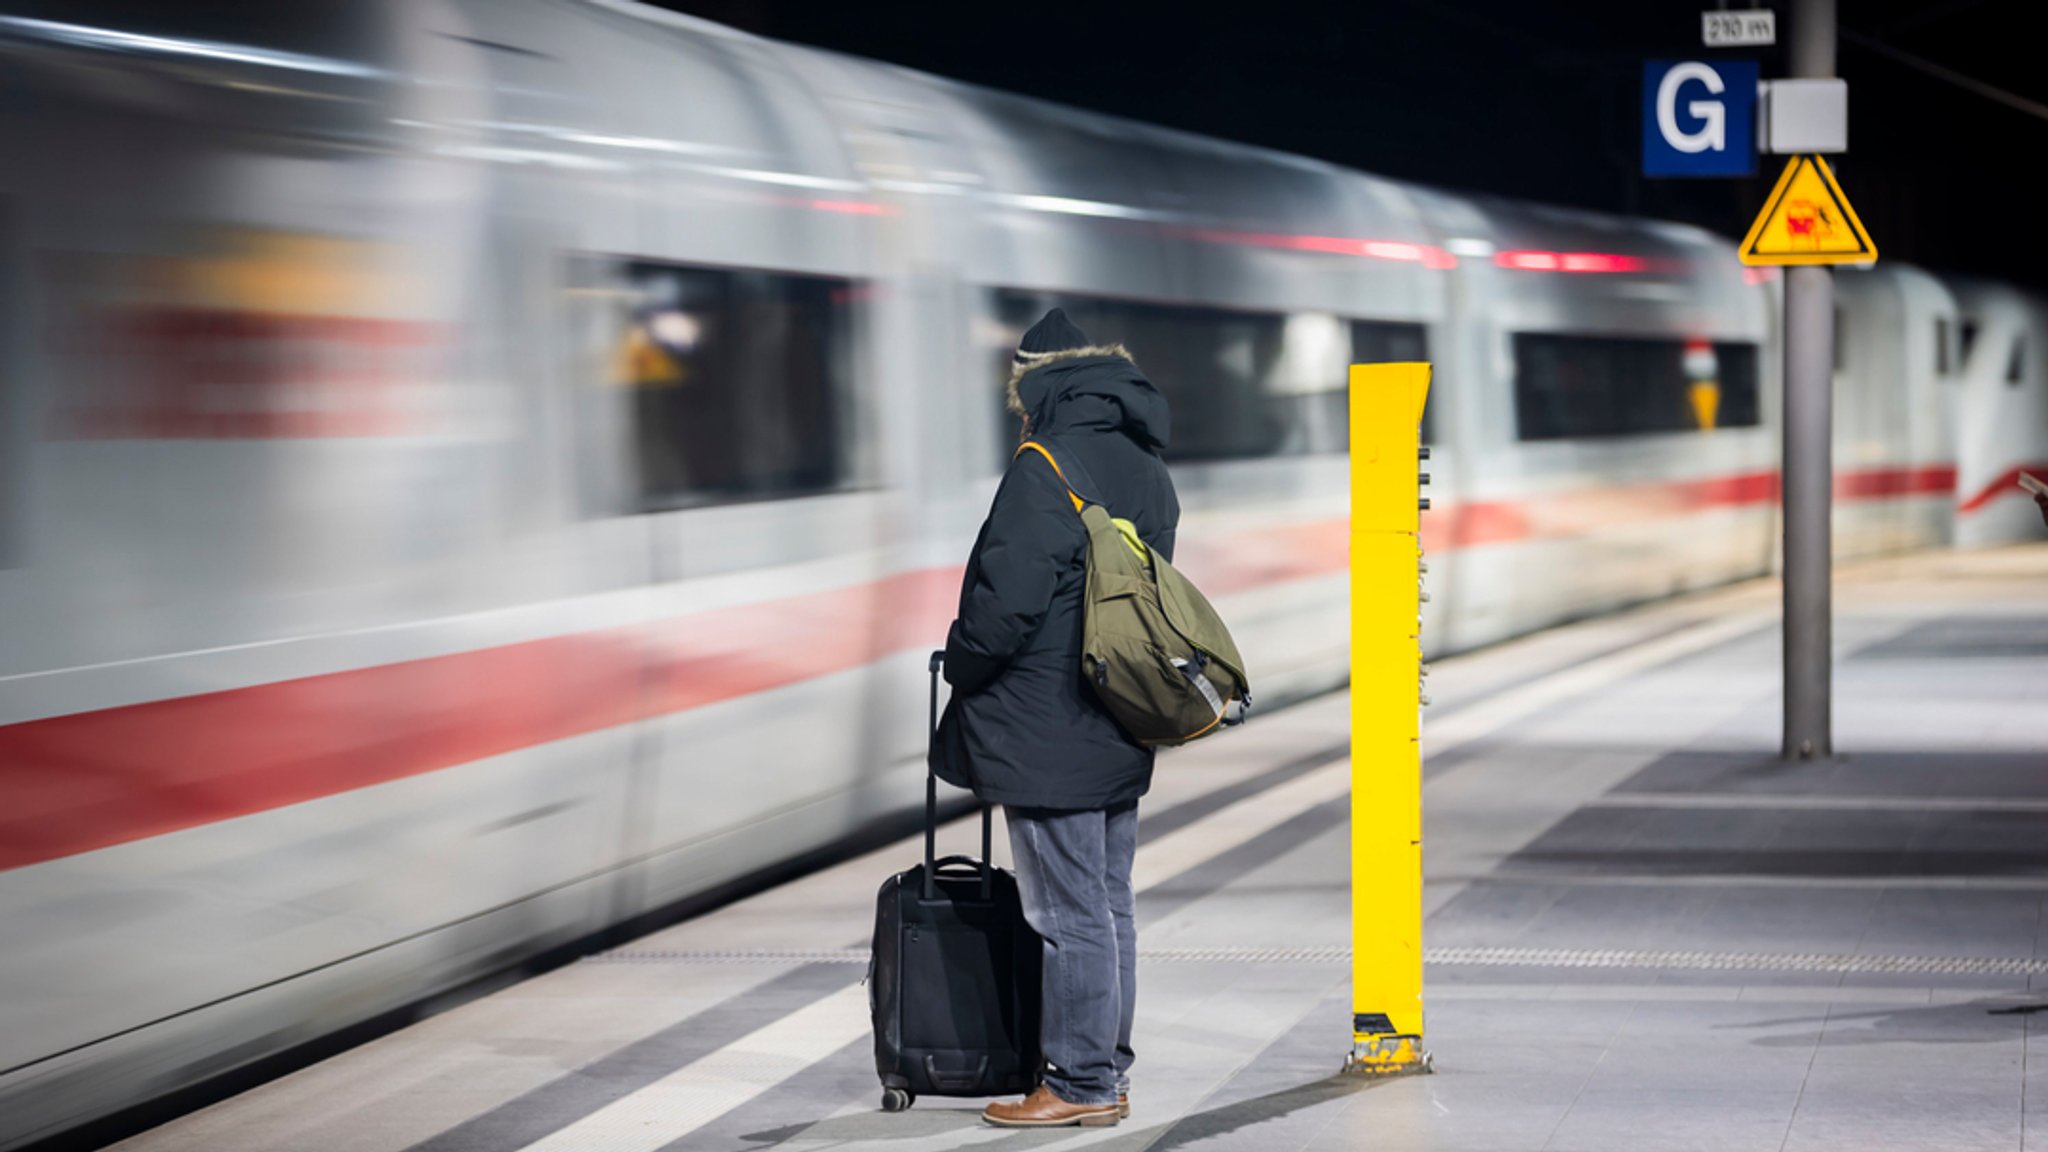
(933, 390)
(2002, 427)
(1932, 387)
(1872, 347)
(1894, 449)
(482, 513)
(726, 364)
(1470, 439)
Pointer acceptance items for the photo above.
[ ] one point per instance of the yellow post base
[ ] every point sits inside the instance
(1388, 1056)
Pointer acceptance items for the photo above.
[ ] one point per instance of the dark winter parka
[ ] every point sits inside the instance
(1023, 726)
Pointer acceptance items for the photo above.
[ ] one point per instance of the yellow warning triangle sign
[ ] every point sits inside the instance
(1807, 220)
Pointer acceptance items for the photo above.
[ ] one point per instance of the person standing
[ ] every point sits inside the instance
(1025, 731)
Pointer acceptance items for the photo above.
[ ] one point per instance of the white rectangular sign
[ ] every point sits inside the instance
(1738, 29)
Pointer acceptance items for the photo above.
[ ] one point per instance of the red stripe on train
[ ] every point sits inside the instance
(1888, 483)
(1575, 513)
(74, 783)
(70, 784)
(2007, 484)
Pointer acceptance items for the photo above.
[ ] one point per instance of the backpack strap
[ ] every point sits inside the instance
(1035, 446)
(1125, 528)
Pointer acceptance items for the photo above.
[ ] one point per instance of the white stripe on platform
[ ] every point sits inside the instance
(1725, 993)
(1489, 716)
(2035, 883)
(702, 1091)
(1776, 803)
(1185, 849)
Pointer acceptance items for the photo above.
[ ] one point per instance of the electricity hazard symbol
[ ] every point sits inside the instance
(1807, 220)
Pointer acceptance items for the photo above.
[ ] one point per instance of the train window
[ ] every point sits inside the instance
(1323, 414)
(1569, 387)
(1242, 385)
(1210, 364)
(736, 383)
(2016, 368)
(1969, 342)
(1941, 361)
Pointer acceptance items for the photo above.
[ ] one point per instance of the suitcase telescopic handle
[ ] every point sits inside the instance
(964, 864)
(931, 803)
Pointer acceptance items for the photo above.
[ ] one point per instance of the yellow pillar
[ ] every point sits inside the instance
(1386, 706)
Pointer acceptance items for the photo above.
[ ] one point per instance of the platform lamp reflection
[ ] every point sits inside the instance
(1387, 568)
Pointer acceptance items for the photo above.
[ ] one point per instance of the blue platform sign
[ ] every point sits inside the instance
(1699, 117)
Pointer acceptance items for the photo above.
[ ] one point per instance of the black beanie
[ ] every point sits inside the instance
(1053, 333)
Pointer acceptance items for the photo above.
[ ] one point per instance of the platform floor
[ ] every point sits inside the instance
(1644, 932)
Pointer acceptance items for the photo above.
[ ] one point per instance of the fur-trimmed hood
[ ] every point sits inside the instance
(1094, 387)
(1023, 727)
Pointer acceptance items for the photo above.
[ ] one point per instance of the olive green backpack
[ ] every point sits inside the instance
(1156, 653)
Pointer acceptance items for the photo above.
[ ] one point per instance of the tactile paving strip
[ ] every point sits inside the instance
(1488, 957)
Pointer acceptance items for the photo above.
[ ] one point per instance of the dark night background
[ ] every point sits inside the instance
(1536, 99)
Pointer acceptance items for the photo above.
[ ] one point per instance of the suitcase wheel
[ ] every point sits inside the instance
(897, 1099)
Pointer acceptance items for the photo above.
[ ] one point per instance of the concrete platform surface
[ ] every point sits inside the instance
(1644, 932)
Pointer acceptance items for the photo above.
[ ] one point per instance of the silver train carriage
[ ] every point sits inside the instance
(474, 473)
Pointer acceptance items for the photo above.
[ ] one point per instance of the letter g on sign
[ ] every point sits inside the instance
(1699, 117)
(1713, 130)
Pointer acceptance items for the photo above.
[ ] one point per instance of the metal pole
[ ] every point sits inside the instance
(1808, 456)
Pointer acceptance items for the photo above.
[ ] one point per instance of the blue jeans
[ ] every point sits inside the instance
(1074, 873)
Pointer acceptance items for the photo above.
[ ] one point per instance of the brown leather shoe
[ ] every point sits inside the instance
(1123, 1106)
(1043, 1109)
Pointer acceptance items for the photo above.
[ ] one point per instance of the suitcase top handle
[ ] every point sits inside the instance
(931, 806)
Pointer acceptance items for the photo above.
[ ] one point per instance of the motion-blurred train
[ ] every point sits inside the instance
(474, 472)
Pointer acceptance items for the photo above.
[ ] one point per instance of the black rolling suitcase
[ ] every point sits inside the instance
(953, 981)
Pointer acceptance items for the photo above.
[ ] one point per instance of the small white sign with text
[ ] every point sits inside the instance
(1738, 29)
